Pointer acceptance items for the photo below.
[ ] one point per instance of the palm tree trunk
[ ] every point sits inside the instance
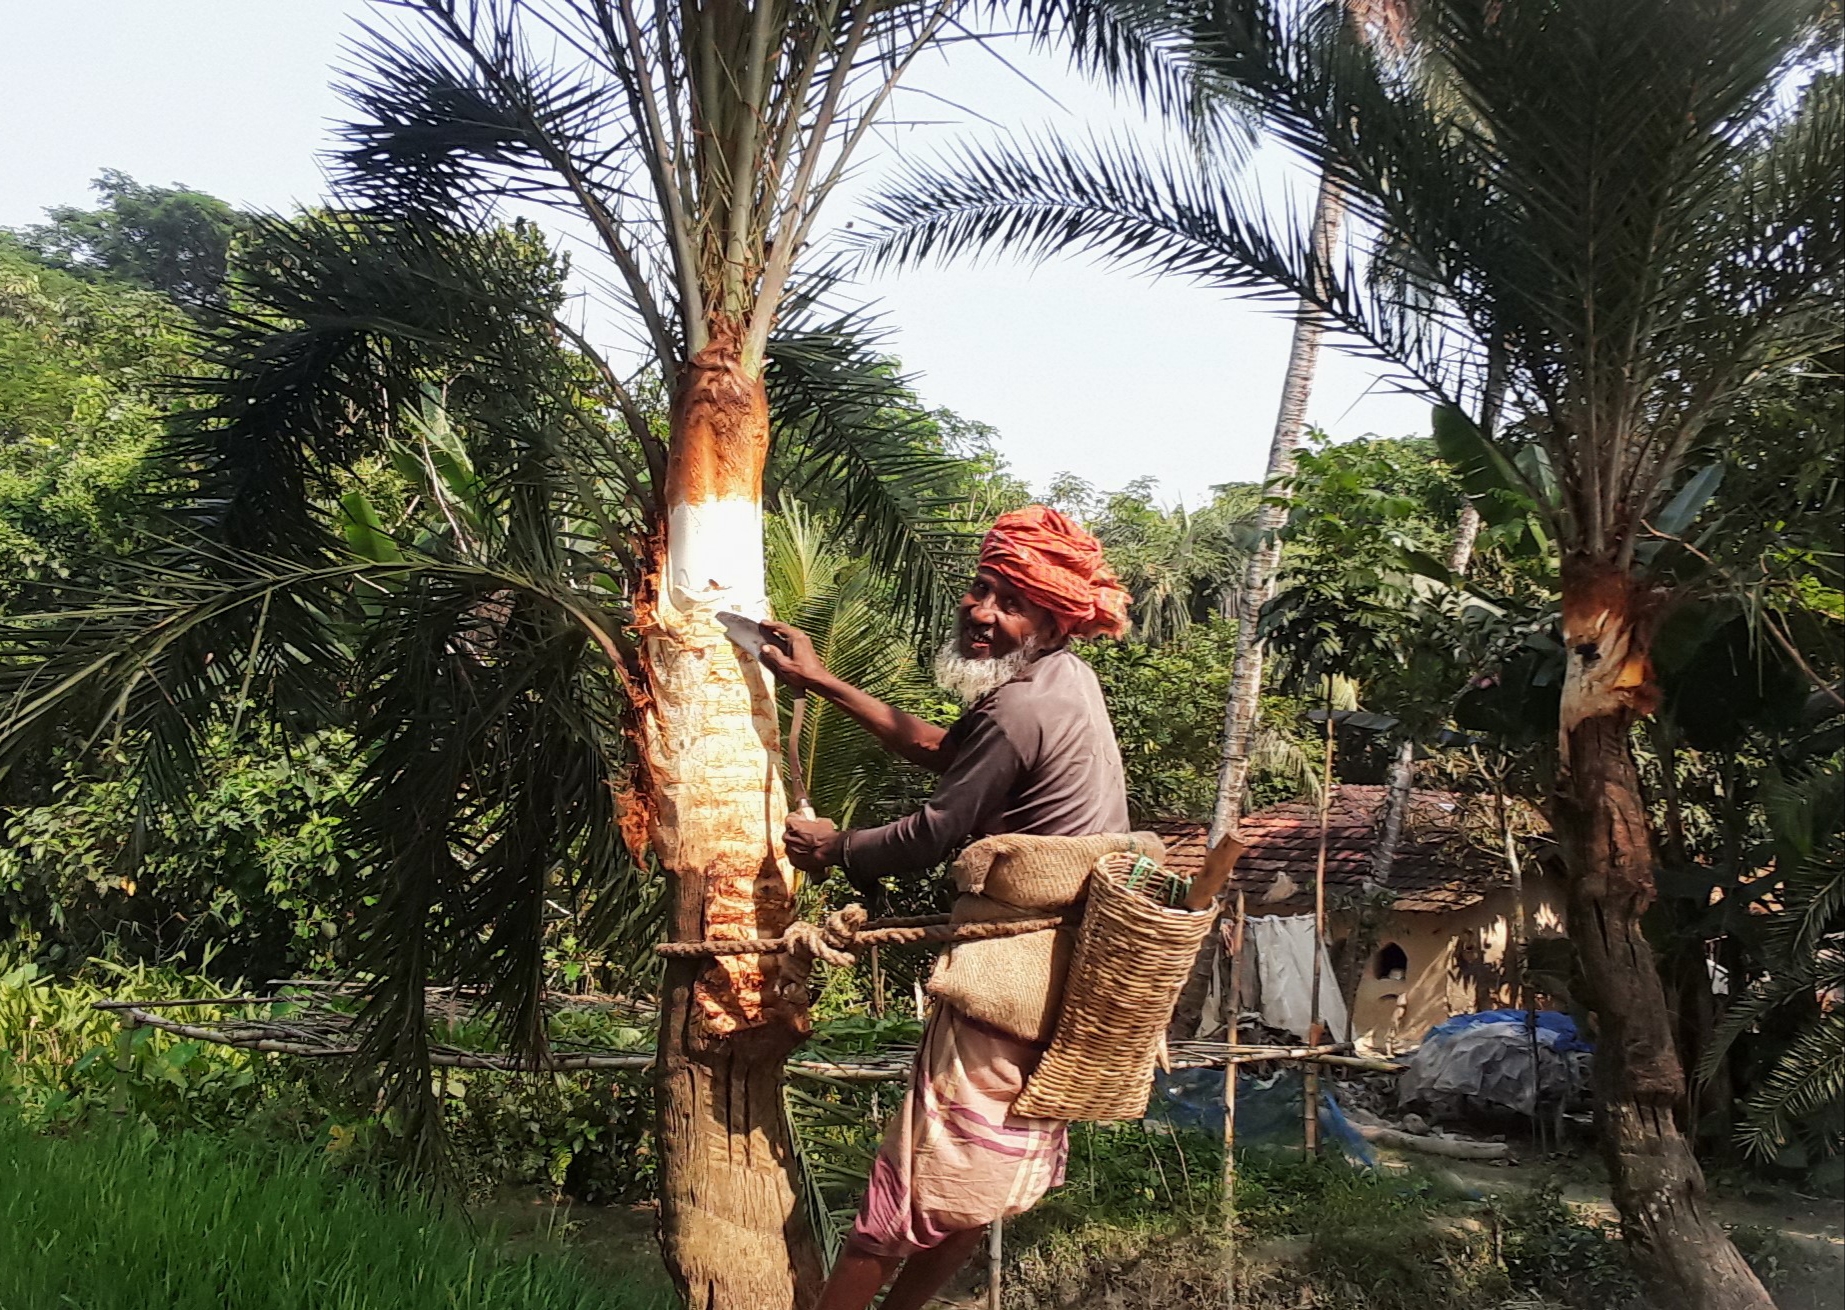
(1402, 778)
(730, 1227)
(1402, 783)
(1258, 586)
(1259, 573)
(1601, 823)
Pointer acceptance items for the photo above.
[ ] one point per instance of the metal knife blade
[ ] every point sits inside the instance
(745, 632)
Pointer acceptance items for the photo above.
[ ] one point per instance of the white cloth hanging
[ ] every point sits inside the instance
(1284, 960)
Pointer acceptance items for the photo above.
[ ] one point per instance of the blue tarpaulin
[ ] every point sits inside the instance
(1548, 1021)
(1268, 1110)
(1513, 1059)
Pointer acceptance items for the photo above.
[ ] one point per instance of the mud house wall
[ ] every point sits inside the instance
(1453, 963)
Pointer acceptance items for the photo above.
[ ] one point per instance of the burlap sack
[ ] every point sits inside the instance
(1016, 983)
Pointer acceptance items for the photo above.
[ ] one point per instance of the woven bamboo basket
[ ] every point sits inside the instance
(1132, 958)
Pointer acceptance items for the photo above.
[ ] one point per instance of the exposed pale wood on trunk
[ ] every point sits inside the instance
(731, 1227)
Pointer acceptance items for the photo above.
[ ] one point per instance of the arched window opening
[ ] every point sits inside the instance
(1392, 962)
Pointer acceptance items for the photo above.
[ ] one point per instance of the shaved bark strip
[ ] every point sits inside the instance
(732, 1231)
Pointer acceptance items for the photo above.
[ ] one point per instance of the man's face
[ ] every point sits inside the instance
(995, 620)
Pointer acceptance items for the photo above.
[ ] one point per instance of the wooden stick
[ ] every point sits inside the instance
(1232, 1022)
(995, 1236)
(1452, 1148)
(197, 1000)
(893, 1066)
(1310, 1079)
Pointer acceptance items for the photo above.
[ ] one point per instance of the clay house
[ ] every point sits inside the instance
(1437, 934)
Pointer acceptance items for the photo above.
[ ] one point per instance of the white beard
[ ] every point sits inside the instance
(968, 680)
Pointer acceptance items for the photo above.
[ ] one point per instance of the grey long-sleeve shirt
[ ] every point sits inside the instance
(1037, 755)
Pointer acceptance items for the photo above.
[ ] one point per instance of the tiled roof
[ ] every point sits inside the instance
(1436, 868)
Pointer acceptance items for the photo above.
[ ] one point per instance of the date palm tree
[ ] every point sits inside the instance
(1635, 209)
(404, 502)
(553, 674)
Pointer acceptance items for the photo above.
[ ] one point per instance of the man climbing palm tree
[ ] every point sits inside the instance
(1034, 754)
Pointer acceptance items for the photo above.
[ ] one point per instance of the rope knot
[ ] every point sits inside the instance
(842, 926)
(809, 942)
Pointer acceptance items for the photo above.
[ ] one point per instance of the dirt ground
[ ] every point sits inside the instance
(1813, 1226)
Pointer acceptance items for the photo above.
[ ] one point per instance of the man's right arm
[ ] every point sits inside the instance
(794, 663)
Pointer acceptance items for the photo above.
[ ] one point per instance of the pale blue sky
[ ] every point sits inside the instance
(1100, 373)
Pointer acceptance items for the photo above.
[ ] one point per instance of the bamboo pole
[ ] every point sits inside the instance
(995, 1236)
(1310, 1077)
(1232, 1021)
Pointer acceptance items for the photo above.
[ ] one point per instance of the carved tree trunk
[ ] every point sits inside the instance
(1601, 824)
(731, 1230)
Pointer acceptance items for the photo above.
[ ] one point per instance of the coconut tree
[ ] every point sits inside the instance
(1382, 23)
(1634, 208)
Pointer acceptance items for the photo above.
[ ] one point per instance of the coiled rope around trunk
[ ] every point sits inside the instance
(850, 930)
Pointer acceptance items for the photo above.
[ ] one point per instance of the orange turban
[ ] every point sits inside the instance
(1057, 565)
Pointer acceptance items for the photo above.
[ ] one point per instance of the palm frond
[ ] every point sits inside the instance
(844, 605)
(1806, 1084)
(1803, 962)
(1613, 196)
(851, 435)
(475, 651)
(1159, 215)
(1280, 755)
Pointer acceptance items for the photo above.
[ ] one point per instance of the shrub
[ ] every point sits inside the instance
(1558, 1250)
(246, 879)
(63, 1062)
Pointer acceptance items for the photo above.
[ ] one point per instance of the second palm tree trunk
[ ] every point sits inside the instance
(1258, 585)
(1601, 824)
(1264, 560)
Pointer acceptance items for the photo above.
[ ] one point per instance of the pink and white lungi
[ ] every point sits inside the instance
(953, 1157)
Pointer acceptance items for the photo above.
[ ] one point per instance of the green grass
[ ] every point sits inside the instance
(126, 1220)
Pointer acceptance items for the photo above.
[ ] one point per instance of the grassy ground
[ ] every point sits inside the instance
(130, 1221)
(1538, 1236)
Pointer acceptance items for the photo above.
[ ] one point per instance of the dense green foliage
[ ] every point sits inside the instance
(64, 1063)
(172, 240)
(1166, 701)
(85, 373)
(249, 873)
(66, 1066)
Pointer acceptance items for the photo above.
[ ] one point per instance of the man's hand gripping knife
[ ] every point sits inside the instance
(774, 645)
